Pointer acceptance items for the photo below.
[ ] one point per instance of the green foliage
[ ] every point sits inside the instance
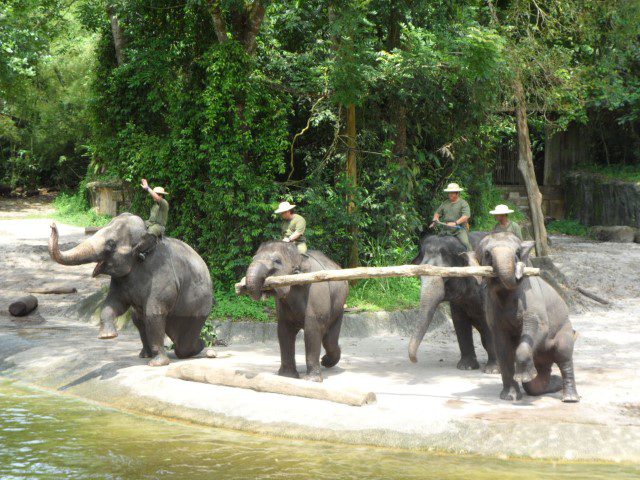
(626, 173)
(73, 209)
(568, 227)
(490, 197)
(230, 306)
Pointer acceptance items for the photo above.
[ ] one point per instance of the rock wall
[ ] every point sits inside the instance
(596, 200)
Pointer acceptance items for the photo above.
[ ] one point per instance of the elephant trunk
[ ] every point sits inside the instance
(256, 275)
(504, 265)
(80, 254)
(431, 295)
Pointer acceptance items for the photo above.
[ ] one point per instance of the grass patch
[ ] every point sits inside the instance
(567, 227)
(74, 210)
(376, 294)
(627, 173)
(234, 307)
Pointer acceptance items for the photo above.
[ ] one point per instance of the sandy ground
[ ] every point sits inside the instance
(427, 405)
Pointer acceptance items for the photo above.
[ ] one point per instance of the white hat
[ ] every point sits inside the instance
(284, 207)
(501, 210)
(453, 187)
(160, 191)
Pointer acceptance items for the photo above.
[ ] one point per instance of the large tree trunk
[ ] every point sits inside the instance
(525, 165)
(352, 176)
(118, 35)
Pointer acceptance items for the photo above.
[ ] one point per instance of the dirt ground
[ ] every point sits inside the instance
(428, 404)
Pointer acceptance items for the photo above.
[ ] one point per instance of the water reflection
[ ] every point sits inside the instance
(48, 436)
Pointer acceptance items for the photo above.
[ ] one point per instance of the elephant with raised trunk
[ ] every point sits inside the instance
(169, 293)
(529, 322)
(316, 308)
(462, 293)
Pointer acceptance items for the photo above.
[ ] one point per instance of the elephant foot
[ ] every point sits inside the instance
(491, 368)
(288, 372)
(329, 361)
(468, 363)
(107, 331)
(570, 395)
(511, 393)
(144, 353)
(525, 373)
(313, 377)
(159, 361)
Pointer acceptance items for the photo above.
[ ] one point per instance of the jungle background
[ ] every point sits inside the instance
(358, 111)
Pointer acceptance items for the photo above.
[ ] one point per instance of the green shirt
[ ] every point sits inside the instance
(159, 213)
(297, 224)
(451, 212)
(512, 227)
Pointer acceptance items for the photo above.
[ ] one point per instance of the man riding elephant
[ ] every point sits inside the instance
(455, 214)
(293, 226)
(503, 224)
(156, 223)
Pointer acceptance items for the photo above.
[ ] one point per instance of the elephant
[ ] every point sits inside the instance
(462, 293)
(529, 322)
(316, 308)
(169, 293)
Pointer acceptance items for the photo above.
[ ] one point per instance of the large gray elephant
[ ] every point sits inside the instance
(170, 292)
(464, 297)
(316, 308)
(529, 322)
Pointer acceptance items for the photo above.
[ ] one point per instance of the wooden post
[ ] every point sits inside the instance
(377, 272)
(525, 165)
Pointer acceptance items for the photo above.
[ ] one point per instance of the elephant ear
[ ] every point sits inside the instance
(525, 251)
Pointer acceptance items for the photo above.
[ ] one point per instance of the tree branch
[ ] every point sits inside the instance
(256, 12)
(218, 22)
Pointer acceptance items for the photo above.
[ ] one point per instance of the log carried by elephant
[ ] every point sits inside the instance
(204, 372)
(377, 272)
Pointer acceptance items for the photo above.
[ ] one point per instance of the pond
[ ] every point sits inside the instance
(45, 435)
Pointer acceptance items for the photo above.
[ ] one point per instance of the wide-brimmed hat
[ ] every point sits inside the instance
(501, 210)
(453, 187)
(284, 207)
(160, 191)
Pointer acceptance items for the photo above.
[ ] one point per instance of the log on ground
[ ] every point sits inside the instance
(55, 289)
(205, 372)
(23, 306)
(378, 272)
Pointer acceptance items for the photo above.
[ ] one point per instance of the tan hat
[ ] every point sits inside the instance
(160, 191)
(453, 187)
(501, 210)
(284, 207)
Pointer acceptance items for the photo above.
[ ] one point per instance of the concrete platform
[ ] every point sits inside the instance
(428, 405)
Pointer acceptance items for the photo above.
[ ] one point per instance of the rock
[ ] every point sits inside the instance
(636, 237)
(617, 234)
(5, 190)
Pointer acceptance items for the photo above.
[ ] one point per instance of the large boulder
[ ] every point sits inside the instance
(636, 238)
(618, 234)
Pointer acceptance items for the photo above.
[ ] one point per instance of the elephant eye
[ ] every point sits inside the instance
(277, 261)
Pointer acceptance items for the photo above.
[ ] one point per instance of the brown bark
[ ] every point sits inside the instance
(525, 165)
(218, 22)
(118, 35)
(352, 176)
(255, 16)
(376, 272)
(23, 306)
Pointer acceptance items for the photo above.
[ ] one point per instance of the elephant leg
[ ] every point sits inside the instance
(112, 308)
(312, 346)
(529, 341)
(564, 360)
(330, 344)
(487, 342)
(464, 334)
(287, 340)
(188, 343)
(544, 382)
(505, 354)
(155, 331)
(139, 323)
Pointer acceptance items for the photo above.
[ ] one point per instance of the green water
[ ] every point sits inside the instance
(49, 436)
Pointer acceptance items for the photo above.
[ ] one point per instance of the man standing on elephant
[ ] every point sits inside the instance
(501, 212)
(293, 226)
(455, 213)
(156, 223)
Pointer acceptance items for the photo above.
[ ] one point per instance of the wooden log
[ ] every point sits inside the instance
(55, 289)
(377, 272)
(23, 306)
(593, 296)
(205, 372)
